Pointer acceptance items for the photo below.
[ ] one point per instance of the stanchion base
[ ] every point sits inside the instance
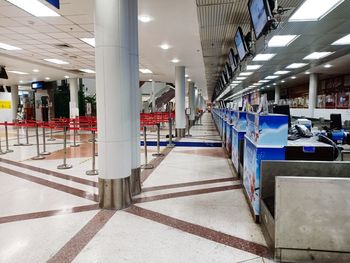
(8, 151)
(51, 139)
(18, 144)
(75, 145)
(170, 145)
(64, 166)
(147, 166)
(92, 172)
(27, 144)
(158, 155)
(45, 153)
(38, 158)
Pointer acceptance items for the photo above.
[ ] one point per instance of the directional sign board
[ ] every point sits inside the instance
(55, 3)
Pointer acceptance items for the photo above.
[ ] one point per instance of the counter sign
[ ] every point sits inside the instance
(55, 3)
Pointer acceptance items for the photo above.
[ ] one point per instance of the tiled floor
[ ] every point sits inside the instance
(192, 208)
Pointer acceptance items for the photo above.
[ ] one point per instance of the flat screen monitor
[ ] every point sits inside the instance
(232, 60)
(260, 15)
(228, 71)
(3, 74)
(37, 85)
(224, 80)
(336, 122)
(283, 109)
(241, 46)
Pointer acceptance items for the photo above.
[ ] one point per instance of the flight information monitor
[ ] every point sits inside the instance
(241, 46)
(260, 15)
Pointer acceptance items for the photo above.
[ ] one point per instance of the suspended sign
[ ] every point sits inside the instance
(55, 3)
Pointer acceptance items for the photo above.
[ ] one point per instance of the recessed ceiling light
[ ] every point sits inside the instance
(34, 7)
(294, 77)
(307, 72)
(186, 76)
(317, 55)
(283, 81)
(327, 66)
(189, 80)
(17, 72)
(21, 81)
(36, 70)
(56, 61)
(241, 78)
(89, 40)
(263, 57)
(9, 47)
(281, 72)
(282, 41)
(145, 71)
(47, 78)
(150, 80)
(274, 84)
(253, 67)
(257, 84)
(175, 60)
(314, 10)
(342, 41)
(272, 77)
(165, 46)
(145, 18)
(66, 77)
(236, 82)
(263, 81)
(87, 71)
(296, 65)
(268, 86)
(246, 73)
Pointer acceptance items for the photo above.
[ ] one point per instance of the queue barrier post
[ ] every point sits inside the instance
(44, 152)
(51, 139)
(188, 126)
(146, 165)
(93, 171)
(1, 151)
(38, 156)
(27, 136)
(170, 121)
(18, 139)
(64, 166)
(75, 134)
(7, 139)
(158, 154)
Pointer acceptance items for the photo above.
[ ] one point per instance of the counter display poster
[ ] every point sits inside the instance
(228, 137)
(236, 138)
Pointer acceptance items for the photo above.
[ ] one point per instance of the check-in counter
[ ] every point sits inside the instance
(265, 139)
(305, 210)
(228, 140)
(238, 129)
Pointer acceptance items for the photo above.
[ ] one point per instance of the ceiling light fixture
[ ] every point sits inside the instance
(294, 77)
(296, 65)
(327, 66)
(186, 76)
(246, 73)
(342, 41)
(282, 41)
(145, 71)
(257, 84)
(145, 18)
(175, 60)
(263, 57)
(66, 77)
(165, 46)
(89, 40)
(56, 61)
(34, 7)
(314, 10)
(317, 55)
(17, 72)
(47, 78)
(263, 81)
(253, 67)
(307, 72)
(9, 47)
(241, 78)
(189, 80)
(281, 72)
(236, 82)
(283, 81)
(36, 70)
(272, 77)
(88, 71)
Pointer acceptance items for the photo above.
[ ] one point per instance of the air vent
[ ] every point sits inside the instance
(63, 46)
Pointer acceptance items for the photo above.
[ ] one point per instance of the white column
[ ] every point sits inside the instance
(191, 100)
(74, 101)
(180, 90)
(135, 179)
(312, 94)
(153, 98)
(113, 91)
(277, 94)
(14, 101)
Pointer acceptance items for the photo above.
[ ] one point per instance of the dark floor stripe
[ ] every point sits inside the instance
(179, 185)
(74, 246)
(201, 231)
(35, 215)
(52, 173)
(53, 185)
(185, 193)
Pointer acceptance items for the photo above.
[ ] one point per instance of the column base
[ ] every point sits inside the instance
(180, 133)
(135, 181)
(114, 194)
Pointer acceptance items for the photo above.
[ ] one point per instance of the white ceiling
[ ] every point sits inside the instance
(174, 23)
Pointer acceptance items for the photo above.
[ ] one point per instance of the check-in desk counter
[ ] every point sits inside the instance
(238, 129)
(228, 132)
(223, 125)
(305, 210)
(265, 139)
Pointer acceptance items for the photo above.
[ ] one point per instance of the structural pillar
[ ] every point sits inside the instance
(153, 98)
(180, 91)
(277, 94)
(135, 179)
(14, 101)
(191, 100)
(74, 99)
(312, 94)
(113, 92)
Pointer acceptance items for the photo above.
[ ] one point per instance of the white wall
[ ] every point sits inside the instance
(6, 114)
(322, 113)
(89, 86)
